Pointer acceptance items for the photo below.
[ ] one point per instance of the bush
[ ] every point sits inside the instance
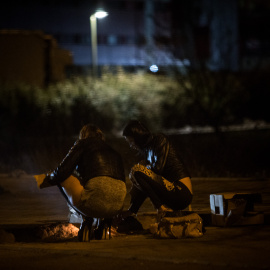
(63, 108)
(38, 125)
(207, 98)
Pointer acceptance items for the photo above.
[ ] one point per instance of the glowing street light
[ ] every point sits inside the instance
(99, 14)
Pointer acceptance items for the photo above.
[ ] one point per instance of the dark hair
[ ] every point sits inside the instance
(90, 130)
(139, 132)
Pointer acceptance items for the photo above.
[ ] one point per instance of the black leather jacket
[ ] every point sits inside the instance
(164, 159)
(89, 158)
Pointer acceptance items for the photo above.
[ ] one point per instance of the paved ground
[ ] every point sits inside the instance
(25, 208)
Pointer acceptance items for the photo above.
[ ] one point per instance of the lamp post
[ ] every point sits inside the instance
(99, 14)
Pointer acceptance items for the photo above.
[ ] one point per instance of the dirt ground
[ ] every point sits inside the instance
(244, 248)
(38, 235)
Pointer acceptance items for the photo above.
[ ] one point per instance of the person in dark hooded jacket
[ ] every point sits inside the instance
(161, 176)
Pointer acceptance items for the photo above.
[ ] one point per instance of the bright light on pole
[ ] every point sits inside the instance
(101, 14)
(93, 23)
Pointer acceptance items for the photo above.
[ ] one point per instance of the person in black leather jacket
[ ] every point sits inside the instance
(91, 175)
(161, 176)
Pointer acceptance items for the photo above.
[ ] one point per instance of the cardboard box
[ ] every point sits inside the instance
(235, 209)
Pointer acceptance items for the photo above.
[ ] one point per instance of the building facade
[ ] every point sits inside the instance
(224, 34)
(31, 57)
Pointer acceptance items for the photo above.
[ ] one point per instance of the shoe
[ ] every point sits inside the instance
(86, 232)
(102, 230)
(161, 212)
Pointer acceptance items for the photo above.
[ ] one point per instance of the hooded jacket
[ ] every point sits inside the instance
(164, 159)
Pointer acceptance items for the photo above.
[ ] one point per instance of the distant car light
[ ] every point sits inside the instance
(154, 68)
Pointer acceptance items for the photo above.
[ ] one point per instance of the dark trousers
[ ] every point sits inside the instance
(145, 183)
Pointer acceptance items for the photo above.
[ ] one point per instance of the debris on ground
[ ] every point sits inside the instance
(57, 232)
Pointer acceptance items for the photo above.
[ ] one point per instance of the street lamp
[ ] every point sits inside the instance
(99, 14)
